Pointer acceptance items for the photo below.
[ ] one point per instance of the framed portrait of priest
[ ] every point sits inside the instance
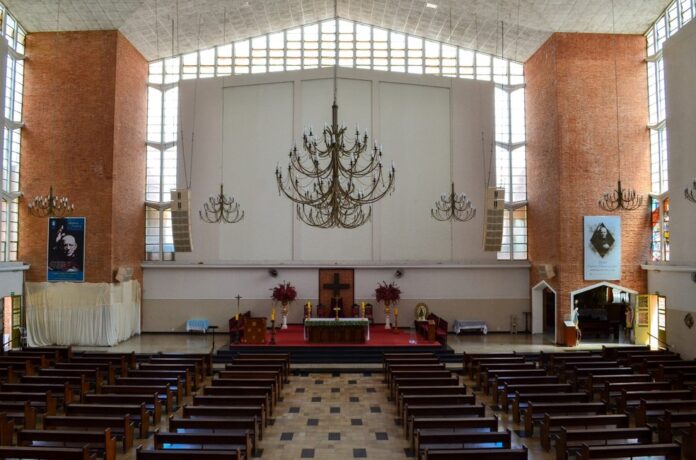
(66, 249)
(602, 240)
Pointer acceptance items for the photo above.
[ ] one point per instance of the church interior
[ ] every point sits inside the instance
(348, 229)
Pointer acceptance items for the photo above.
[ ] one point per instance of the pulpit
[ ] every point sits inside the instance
(254, 331)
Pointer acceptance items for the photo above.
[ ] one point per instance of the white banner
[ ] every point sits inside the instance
(602, 240)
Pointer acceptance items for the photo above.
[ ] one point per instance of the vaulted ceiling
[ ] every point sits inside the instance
(518, 27)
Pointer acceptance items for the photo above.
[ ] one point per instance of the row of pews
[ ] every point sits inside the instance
(440, 419)
(87, 405)
(617, 402)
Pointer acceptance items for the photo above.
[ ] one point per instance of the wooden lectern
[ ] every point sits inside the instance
(254, 331)
(570, 334)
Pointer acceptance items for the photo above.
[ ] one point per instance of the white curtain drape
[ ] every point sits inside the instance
(82, 313)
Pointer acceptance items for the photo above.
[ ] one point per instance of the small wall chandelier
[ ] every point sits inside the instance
(620, 198)
(50, 205)
(221, 209)
(690, 193)
(330, 181)
(453, 207)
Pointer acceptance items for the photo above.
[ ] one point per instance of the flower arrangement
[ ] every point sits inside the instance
(284, 293)
(387, 293)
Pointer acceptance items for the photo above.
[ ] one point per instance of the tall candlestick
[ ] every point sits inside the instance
(273, 314)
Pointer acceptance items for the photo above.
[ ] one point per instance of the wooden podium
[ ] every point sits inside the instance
(254, 331)
(570, 334)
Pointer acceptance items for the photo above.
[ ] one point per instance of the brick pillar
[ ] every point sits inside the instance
(572, 152)
(85, 109)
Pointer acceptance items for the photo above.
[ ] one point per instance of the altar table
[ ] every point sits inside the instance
(342, 330)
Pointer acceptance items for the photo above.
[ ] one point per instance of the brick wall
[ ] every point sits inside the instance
(571, 128)
(83, 132)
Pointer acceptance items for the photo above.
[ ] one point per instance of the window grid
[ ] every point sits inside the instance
(15, 35)
(676, 15)
(359, 46)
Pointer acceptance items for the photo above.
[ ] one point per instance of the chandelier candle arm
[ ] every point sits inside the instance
(690, 193)
(221, 209)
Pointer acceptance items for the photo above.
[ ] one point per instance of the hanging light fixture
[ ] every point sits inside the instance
(690, 193)
(221, 208)
(330, 181)
(455, 206)
(619, 198)
(51, 205)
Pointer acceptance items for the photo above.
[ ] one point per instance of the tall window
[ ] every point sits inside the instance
(312, 46)
(12, 131)
(675, 16)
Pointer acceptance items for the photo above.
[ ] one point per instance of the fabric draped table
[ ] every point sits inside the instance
(328, 322)
(82, 313)
(463, 325)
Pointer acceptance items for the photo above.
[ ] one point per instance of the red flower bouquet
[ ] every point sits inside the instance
(387, 293)
(284, 293)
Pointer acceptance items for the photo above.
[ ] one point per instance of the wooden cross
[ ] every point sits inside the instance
(336, 286)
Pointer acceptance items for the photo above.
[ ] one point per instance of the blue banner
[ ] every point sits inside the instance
(602, 237)
(66, 249)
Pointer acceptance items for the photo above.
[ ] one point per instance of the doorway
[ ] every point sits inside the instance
(602, 310)
(544, 310)
(549, 308)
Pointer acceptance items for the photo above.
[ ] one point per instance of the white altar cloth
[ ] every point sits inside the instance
(82, 313)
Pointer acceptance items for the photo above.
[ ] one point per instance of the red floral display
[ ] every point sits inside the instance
(387, 292)
(284, 292)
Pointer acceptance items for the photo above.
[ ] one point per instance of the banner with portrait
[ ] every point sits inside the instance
(602, 238)
(66, 249)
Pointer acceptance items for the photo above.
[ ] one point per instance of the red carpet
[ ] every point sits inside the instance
(293, 336)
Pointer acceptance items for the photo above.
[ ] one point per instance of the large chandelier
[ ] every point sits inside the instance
(334, 180)
(619, 198)
(50, 205)
(221, 209)
(453, 207)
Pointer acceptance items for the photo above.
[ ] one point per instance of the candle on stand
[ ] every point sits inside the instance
(396, 311)
(236, 317)
(362, 309)
(273, 314)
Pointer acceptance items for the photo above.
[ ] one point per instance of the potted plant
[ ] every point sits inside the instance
(390, 294)
(284, 293)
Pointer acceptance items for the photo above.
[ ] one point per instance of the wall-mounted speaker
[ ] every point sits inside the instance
(181, 219)
(273, 272)
(493, 219)
(546, 271)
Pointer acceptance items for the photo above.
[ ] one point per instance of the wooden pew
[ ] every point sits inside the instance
(501, 380)
(225, 411)
(185, 454)
(213, 424)
(151, 401)
(43, 401)
(595, 383)
(491, 377)
(569, 442)
(535, 411)
(229, 383)
(613, 390)
(567, 370)
(475, 454)
(649, 411)
(191, 371)
(138, 413)
(629, 400)
(669, 451)
(685, 380)
(242, 391)
(578, 377)
(469, 357)
(21, 413)
(121, 426)
(175, 384)
(505, 395)
(452, 423)
(285, 364)
(8, 374)
(435, 400)
(108, 371)
(6, 430)
(552, 423)
(207, 358)
(672, 423)
(180, 386)
(91, 375)
(64, 352)
(671, 372)
(164, 392)
(426, 390)
(422, 381)
(35, 361)
(477, 364)
(556, 362)
(78, 384)
(104, 442)
(198, 363)
(113, 357)
(689, 442)
(230, 440)
(486, 371)
(252, 375)
(241, 400)
(520, 401)
(546, 358)
(455, 410)
(243, 367)
(411, 360)
(398, 376)
(612, 352)
(461, 440)
(119, 362)
(48, 453)
(413, 368)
